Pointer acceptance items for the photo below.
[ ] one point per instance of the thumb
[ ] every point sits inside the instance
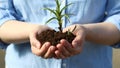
(33, 40)
(78, 42)
(64, 30)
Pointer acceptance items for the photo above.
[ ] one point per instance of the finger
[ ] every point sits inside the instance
(77, 44)
(63, 50)
(59, 55)
(67, 45)
(72, 50)
(44, 49)
(78, 41)
(50, 52)
(80, 36)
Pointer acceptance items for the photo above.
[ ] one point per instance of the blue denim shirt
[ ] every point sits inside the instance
(85, 11)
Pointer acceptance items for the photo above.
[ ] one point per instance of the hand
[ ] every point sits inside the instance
(45, 50)
(66, 49)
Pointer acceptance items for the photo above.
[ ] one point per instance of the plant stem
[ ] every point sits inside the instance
(60, 25)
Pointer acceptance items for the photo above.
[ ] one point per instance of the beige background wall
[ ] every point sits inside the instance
(2, 59)
(116, 58)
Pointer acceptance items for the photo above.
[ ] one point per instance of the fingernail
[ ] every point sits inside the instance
(47, 44)
(52, 48)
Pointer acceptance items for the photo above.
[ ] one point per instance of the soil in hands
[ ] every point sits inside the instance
(54, 37)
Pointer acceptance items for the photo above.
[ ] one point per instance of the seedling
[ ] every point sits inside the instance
(53, 36)
(58, 14)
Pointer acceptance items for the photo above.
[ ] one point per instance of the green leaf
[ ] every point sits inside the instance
(58, 9)
(58, 5)
(65, 7)
(57, 14)
(50, 10)
(74, 28)
(51, 19)
(67, 16)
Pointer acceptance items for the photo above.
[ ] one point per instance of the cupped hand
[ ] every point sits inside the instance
(66, 49)
(45, 50)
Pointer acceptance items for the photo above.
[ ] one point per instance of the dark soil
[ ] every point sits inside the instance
(54, 37)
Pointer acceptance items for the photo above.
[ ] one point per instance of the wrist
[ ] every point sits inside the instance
(87, 31)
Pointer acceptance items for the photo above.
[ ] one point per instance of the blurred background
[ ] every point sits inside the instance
(2, 55)
(116, 58)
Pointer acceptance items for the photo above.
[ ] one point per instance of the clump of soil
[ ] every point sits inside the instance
(54, 37)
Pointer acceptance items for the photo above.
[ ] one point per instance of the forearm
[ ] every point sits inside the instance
(16, 31)
(102, 33)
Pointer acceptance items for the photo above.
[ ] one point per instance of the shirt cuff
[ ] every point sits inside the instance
(2, 21)
(3, 45)
(114, 20)
(116, 45)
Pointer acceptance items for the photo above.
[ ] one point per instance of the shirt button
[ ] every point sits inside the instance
(64, 65)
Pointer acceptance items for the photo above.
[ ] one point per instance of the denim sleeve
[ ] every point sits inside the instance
(113, 15)
(6, 13)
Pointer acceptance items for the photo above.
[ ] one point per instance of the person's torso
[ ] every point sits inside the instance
(84, 11)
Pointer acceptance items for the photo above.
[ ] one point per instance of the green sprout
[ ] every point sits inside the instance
(69, 32)
(58, 14)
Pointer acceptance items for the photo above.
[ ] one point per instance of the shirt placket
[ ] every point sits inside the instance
(64, 3)
(64, 63)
